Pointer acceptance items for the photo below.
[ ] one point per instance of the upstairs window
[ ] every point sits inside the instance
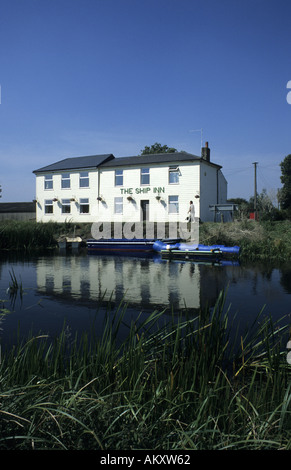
(118, 177)
(173, 204)
(66, 182)
(145, 176)
(84, 206)
(84, 179)
(174, 173)
(48, 182)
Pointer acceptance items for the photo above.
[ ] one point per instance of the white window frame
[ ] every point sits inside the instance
(48, 182)
(174, 170)
(145, 174)
(84, 179)
(48, 203)
(83, 203)
(66, 203)
(118, 205)
(66, 181)
(173, 204)
(118, 175)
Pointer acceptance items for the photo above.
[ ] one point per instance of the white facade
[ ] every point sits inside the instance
(154, 188)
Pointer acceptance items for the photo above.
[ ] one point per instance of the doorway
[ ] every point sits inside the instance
(144, 205)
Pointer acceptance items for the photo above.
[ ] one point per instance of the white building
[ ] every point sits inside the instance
(155, 187)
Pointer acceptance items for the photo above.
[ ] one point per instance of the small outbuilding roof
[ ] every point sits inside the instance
(16, 207)
(74, 163)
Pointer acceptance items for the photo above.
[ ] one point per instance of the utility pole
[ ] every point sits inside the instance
(255, 190)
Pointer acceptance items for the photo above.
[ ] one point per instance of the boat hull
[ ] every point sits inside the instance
(197, 251)
(120, 245)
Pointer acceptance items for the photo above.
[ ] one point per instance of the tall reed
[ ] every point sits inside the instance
(179, 384)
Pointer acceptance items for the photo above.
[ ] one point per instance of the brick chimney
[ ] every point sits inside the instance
(205, 152)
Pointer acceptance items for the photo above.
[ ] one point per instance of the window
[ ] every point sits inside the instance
(66, 183)
(66, 206)
(48, 206)
(145, 176)
(118, 177)
(48, 182)
(174, 173)
(118, 205)
(84, 179)
(84, 206)
(173, 204)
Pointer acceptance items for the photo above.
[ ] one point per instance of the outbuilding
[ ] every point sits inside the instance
(154, 188)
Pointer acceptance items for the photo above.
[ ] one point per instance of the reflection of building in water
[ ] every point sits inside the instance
(138, 281)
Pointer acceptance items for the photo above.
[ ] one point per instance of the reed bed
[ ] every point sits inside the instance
(265, 240)
(180, 385)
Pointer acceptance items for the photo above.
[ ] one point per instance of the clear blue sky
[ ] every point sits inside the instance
(84, 77)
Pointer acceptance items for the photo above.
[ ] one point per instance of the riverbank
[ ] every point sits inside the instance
(258, 240)
(175, 386)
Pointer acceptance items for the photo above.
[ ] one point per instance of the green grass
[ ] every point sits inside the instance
(269, 240)
(177, 386)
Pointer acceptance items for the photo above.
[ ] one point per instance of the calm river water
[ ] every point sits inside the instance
(73, 289)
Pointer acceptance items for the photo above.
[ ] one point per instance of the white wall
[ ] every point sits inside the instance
(196, 179)
(187, 188)
(213, 190)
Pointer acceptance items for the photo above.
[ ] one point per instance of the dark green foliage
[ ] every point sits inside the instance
(285, 192)
(157, 148)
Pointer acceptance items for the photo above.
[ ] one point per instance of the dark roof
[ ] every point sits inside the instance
(171, 158)
(108, 160)
(91, 161)
(13, 207)
(151, 158)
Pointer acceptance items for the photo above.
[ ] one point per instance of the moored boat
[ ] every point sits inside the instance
(124, 245)
(198, 251)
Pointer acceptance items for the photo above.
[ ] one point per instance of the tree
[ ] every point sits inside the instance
(157, 148)
(285, 192)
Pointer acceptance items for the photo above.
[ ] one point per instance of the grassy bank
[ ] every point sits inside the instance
(258, 240)
(180, 386)
(29, 235)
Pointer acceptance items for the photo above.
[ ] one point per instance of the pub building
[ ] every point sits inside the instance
(153, 187)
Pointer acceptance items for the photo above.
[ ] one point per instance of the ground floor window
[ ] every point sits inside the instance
(48, 206)
(84, 206)
(66, 206)
(118, 205)
(173, 204)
